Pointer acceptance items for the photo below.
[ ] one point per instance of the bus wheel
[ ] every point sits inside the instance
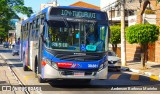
(40, 80)
(25, 68)
(36, 68)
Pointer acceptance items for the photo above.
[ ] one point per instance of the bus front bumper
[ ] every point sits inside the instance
(49, 72)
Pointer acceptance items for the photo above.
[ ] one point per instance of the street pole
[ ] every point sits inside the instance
(123, 42)
(111, 15)
(56, 2)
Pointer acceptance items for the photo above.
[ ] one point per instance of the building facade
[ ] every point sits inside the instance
(85, 5)
(136, 11)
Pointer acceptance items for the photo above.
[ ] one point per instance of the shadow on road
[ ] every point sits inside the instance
(13, 60)
(3, 82)
(6, 51)
(122, 81)
(16, 65)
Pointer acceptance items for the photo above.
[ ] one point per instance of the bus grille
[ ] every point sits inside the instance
(87, 73)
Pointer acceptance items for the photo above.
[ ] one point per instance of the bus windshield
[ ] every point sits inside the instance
(76, 36)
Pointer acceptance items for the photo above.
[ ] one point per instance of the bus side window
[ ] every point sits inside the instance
(34, 24)
(30, 28)
(39, 22)
(36, 34)
(27, 26)
(42, 20)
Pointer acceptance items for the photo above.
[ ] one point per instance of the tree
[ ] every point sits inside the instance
(9, 9)
(115, 36)
(142, 34)
(12, 7)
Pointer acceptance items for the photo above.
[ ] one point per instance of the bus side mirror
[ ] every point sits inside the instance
(42, 32)
(41, 29)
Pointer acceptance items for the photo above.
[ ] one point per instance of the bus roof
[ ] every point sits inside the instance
(45, 10)
(75, 7)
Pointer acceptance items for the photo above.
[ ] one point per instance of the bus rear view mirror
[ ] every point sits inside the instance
(41, 29)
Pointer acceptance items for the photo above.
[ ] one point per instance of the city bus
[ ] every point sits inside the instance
(66, 42)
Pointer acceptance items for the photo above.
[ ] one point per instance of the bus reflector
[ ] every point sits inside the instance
(44, 63)
(64, 64)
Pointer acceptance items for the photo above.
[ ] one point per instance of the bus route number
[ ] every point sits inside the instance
(92, 66)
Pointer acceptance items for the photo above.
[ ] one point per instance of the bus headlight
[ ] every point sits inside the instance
(54, 65)
(101, 67)
(105, 64)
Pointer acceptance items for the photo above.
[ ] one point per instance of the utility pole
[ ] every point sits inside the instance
(123, 41)
(56, 2)
(111, 15)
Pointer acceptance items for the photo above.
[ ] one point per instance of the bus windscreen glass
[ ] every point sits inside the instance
(76, 36)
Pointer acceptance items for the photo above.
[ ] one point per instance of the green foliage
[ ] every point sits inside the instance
(9, 10)
(115, 34)
(2, 33)
(142, 33)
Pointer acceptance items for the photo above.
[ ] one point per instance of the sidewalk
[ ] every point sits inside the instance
(152, 69)
(7, 78)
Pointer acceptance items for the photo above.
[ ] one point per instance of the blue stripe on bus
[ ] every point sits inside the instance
(81, 65)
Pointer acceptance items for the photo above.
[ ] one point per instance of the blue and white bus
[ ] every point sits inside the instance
(66, 43)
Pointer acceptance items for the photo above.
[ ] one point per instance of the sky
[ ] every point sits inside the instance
(35, 4)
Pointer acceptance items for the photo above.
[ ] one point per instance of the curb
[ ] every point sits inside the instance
(149, 74)
(21, 75)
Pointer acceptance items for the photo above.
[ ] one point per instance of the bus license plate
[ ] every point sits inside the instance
(78, 73)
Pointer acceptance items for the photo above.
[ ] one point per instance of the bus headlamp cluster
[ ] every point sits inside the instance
(100, 67)
(53, 64)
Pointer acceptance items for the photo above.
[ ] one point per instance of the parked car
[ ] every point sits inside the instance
(15, 49)
(114, 62)
(6, 44)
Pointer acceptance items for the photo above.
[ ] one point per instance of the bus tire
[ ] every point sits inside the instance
(25, 68)
(36, 67)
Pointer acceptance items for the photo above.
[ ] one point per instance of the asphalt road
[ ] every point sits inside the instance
(123, 81)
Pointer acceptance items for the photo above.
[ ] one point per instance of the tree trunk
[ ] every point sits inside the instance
(144, 48)
(114, 48)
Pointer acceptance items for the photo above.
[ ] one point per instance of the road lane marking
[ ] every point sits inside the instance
(134, 77)
(115, 76)
(153, 78)
(29, 77)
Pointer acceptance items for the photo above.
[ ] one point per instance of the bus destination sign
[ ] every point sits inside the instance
(78, 14)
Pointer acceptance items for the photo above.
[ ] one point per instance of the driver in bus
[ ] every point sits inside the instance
(90, 36)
